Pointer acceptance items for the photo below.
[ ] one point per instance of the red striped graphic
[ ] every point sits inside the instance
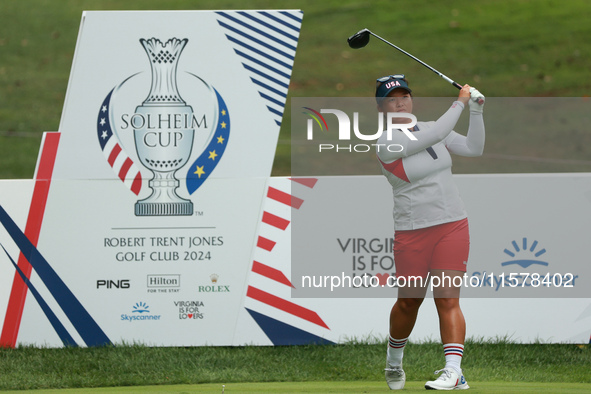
(284, 198)
(271, 273)
(275, 221)
(123, 172)
(275, 274)
(265, 243)
(124, 168)
(114, 154)
(136, 186)
(18, 294)
(309, 182)
(284, 305)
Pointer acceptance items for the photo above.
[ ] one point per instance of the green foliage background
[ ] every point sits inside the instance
(506, 48)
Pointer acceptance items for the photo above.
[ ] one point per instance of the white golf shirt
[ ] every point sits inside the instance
(425, 193)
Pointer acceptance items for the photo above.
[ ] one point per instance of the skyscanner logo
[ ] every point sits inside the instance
(524, 254)
(140, 312)
(345, 125)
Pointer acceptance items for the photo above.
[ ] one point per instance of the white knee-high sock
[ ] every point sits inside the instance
(395, 350)
(453, 356)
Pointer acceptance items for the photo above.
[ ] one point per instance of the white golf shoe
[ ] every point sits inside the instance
(448, 380)
(395, 377)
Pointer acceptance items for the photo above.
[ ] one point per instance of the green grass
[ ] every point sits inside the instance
(27, 368)
(330, 387)
(507, 48)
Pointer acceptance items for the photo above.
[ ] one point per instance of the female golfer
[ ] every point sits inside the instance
(431, 227)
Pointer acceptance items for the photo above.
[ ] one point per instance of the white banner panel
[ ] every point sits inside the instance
(528, 238)
(259, 295)
(344, 224)
(15, 197)
(167, 140)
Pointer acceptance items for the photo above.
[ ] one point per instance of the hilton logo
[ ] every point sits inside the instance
(170, 281)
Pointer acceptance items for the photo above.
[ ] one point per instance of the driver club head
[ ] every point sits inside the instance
(359, 39)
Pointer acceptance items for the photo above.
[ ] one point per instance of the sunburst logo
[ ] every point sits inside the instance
(140, 307)
(525, 254)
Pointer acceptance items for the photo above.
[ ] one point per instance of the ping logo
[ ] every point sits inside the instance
(113, 284)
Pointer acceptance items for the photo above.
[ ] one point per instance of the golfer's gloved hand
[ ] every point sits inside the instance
(476, 101)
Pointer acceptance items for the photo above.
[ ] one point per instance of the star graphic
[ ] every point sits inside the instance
(223, 112)
(104, 135)
(102, 122)
(212, 155)
(223, 124)
(220, 140)
(199, 171)
(104, 109)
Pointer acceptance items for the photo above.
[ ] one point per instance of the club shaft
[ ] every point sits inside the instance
(457, 85)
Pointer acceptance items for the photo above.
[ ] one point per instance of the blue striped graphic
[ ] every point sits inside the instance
(259, 32)
(266, 42)
(265, 65)
(280, 333)
(59, 328)
(82, 321)
(281, 21)
(275, 29)
(260, 42)
(272, 100)
(292, 16)
(267, 87)
(261, 53)
(266, 76)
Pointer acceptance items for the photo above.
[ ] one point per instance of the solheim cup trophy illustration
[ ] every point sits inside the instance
(163, 131)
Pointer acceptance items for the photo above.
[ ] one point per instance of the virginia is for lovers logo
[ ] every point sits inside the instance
(161, 133)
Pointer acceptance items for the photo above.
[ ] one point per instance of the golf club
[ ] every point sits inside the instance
(361, 39)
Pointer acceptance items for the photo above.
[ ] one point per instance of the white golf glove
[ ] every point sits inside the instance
(476, 101)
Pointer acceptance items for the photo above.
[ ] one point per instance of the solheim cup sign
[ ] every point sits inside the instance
(165, 130)
(158, 176)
